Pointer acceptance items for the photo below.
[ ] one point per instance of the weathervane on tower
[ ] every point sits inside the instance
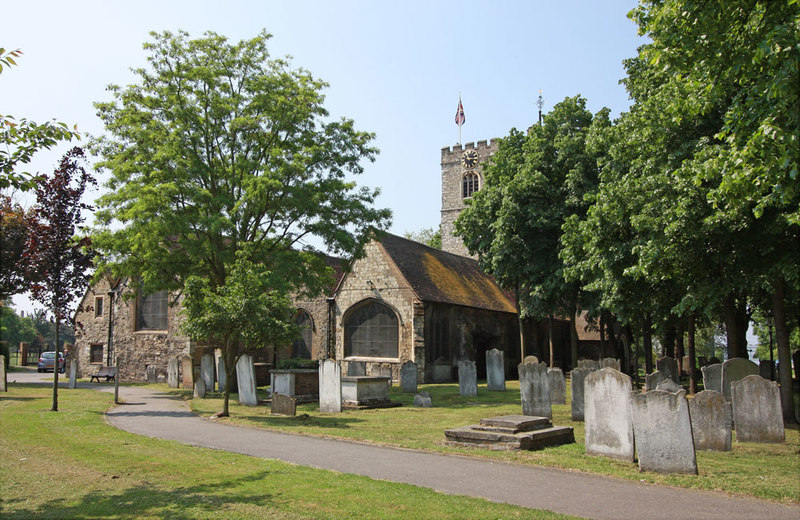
(540, 104)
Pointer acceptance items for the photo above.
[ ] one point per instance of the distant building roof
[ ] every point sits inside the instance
(437, 276)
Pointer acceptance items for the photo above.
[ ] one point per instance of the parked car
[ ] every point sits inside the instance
(46, 362)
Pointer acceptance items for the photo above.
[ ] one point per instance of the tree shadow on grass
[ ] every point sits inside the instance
(147, 500)
(333, 423)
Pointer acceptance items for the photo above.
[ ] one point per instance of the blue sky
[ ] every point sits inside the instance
(396, 68)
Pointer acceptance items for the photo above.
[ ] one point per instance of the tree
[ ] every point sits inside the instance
(13, 235)
(22, 138)
(59, 261)
(427, 236)
(221, 154)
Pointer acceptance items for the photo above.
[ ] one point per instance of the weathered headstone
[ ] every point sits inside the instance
(668, 385)
(686, 365)
(590, 364)
(558, 386)
(766, 369)
(207, 370)
(652, 380)
(330, 386)
(382, 371)
(246, 381)
(495, 371)
(467, 378)
(188, 372)
(735, 369)
(663, 432)
(3, 380)
(712, 377)
(530, 360)
(669, 367)
(534, 390)
(711, 421)
(607, 410)
(73, 373)
(151, 373)
(423, 400)
(172, 372)
(283, 404)
(200, 389)
(357, 368)
(577, 377)
(757, 414)
(610, 363)
(408, 377)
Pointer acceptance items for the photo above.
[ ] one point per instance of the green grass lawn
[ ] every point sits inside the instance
(72, 464)
(770, 471)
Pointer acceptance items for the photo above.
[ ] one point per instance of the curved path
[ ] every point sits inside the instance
(155, 414)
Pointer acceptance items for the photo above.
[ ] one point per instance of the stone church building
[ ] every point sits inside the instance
(400, 301)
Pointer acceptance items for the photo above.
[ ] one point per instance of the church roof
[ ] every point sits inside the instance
(437, 276)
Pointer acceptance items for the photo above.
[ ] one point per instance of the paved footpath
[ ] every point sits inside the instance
(155, 414)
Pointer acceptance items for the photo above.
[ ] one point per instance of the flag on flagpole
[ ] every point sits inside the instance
(460, 118)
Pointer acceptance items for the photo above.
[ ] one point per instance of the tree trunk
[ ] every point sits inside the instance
(229, 354)
(521, 327)
(668, 345)
(784, 357)
(736, 327)
(552, 345)
(691, 355)
(55, 370)
(647, 345)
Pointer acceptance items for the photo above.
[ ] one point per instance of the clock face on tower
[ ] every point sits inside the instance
(469, 159)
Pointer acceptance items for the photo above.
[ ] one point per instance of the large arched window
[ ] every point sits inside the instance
(151, 311)
(301, 348)
(470, 185)
(370, 330)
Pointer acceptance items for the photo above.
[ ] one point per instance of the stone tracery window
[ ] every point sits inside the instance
(371, 330)
(470, 184)
(151, 311)
(301, 348)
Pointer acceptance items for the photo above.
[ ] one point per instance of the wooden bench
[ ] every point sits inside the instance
(110, 373)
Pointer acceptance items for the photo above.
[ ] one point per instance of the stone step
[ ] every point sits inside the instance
(513, 423)
(530, 440)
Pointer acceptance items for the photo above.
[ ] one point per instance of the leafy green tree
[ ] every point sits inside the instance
(427, 236)
(13, 235)
(221, 151)
(15, 328)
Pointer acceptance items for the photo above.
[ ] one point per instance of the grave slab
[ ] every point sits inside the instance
(534, 389)
(207, 371)
(712, 377)
(711, 421)
(330, 386)
(495, 371)
(408, 377)
(172, 372)
(577, 378)
(423, 400)
(467, 378)
(735, 369)
(73, 374)
(283, 405)
(609, 428)
(757, 414)
(511, 433)
(246, 381)
(558, 386)
(663, 432)
(669, 367)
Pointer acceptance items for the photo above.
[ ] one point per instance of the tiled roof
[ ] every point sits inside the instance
(437, 276)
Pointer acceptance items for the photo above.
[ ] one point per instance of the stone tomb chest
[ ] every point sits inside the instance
(366, 392)
(300, 383)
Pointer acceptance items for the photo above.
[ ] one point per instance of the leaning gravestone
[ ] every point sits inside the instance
(207, 371)
(467, 378)
(246, 381)
(495, 371)
(757, 412)
(172, 372)
(200, 389)
(652, 380)
(73, 374)
(408, 377)
(735, 369)
(607, 409)
(668, 385)
(669, 367)
(663, 432)
(534, 390)
(283, 404)
(610, 363)
(3, 380)
(711, 421)
(356, 368)
(188, 372)
(330, 386)
(577, 377)
(712, 377)
(423, 400)
(558, 386)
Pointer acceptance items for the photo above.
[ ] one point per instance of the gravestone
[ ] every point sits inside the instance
(534, 390)
(467, 378)
(382, 371)
(441, 370)
(161, 378)
(712, 377)
(207, 371)
(200, 389)
(663, 432)
(766, 369)
(652, 380)
(669, 367)
(495, 371)
(607, 410)
(330, 386)
(757, 414)
(423, 400)
(73, 373)
(246, 381)
(283, 404)
(3, 380)
(222, 376)
(711, 421)
(188, 372)
(530, 360)
(151, 374)
(610, 363)
(577, 377)
(668, 385)
(686, 367)
(558, 386)
(590, 364)
(357, 368)
(172, 372)
(735, 369)
(408, 377)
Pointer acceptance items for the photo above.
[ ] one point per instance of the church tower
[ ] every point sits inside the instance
(462, 175)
